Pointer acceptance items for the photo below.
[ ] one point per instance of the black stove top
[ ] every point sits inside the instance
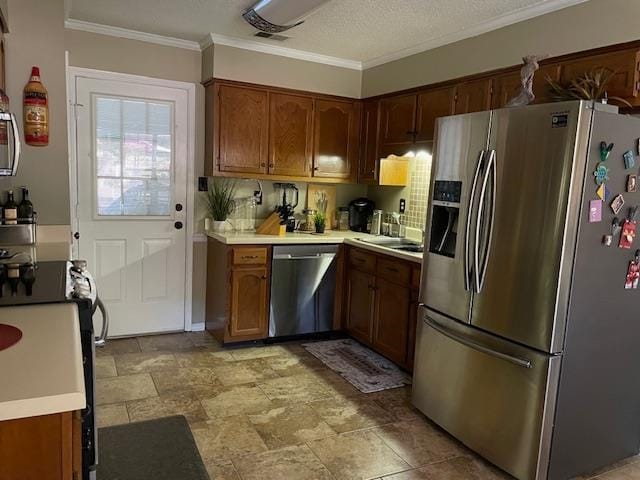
(45, 282)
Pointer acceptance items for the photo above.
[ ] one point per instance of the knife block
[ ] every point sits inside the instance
(272, 226)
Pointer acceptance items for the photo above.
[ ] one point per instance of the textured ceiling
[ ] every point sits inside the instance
(360, 30)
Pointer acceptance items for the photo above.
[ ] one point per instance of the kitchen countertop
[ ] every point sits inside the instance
(42, 374)
(329, 237)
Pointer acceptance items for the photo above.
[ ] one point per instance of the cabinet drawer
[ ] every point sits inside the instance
(250, 256)
(362, 261)
(394, 271)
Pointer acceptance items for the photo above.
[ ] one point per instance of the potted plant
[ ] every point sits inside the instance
(319, 221)
(591, 85)
(220, 202)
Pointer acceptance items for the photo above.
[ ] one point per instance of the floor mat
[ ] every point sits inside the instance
(162, 449)
(361, 367)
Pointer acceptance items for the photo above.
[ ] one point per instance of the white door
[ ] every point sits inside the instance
(131, 177)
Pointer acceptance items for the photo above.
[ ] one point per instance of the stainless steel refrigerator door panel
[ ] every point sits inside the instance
(539, 171)
(460, 144)
(303, 282)
(495, 396)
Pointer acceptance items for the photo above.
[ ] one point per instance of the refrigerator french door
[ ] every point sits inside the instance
(495, 279)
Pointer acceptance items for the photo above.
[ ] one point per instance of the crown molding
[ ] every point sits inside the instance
(505, 20)
(215, 39)
(130, 34)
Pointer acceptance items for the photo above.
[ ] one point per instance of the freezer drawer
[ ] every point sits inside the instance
(494, 396)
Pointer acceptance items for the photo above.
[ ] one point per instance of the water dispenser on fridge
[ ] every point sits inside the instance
(444, 223)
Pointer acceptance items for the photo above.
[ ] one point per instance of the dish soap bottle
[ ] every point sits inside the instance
(36, 111)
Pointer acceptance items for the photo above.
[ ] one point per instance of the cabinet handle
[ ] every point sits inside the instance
(392, 269)
(263, 164)
(316, 168)
(271, 165)
(249, 257)
(264, 277)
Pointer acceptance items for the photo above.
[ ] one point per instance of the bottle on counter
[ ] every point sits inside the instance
(36, 111)
(25, 209)
(10, 210)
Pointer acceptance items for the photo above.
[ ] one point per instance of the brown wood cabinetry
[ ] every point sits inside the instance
(380, 301)
(368, 166)
(46, 447)
(274, 133)
(397, 124)
(473, 96)
(237, 304)
(360, 298)
(242, 131)
(432, 104)
(391, 320)
(290, 135)
(249, 303)
(624, 63)
(335, 143)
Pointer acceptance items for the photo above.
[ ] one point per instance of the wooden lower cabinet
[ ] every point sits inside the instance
(238, 286)
(46, 447)
(360, 298)
(249, 302)
(391, 320)
(381, 307)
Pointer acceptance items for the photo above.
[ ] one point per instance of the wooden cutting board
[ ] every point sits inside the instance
(330, 190)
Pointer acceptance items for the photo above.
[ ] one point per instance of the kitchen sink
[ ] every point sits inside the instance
(395, 243)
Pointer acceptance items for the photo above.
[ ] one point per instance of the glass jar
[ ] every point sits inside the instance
(309, 220)
(343, 218)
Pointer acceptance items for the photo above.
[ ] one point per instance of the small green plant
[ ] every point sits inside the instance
(220, 198)
(319, 220)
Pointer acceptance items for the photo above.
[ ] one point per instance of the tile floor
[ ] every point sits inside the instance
(276, 412)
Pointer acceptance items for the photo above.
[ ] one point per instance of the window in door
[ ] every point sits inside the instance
(134, 157)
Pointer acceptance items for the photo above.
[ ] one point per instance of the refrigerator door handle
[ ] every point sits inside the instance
(467, 230)
(480, 271)
(521, 362)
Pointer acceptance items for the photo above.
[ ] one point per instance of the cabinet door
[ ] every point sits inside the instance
(290, 135)
(473, 96)
(507, 86)
(249, 303)
(431, 105)
(360, 297)
(242, 129)
(368, 166)
(391, 319)
(624, 63)
(397, 124)
(336, 126)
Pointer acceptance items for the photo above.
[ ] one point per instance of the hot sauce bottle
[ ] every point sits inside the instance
(36, 111)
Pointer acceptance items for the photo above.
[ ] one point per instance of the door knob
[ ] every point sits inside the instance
(178, 225)
(178, 207)
(76, 235)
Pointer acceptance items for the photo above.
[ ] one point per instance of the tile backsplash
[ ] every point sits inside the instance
(416, 194)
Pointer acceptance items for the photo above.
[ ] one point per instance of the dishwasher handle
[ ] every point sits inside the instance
(315, 256)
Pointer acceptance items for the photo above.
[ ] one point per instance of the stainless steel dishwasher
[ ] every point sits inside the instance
(303, 283)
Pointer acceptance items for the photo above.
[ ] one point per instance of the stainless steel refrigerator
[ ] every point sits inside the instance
(528, 343)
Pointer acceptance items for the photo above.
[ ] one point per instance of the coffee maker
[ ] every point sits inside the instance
(287, 194)
(360, 210)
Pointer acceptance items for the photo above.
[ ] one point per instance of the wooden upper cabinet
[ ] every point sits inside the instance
(397, 124)
(336, 129)
(242, 129)
(506, 87)
(368, 165)
(249, 303)
(290, 135)
(432, 104)
(624, 63)
(473, 96)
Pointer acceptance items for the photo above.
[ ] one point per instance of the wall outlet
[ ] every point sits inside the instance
(403, 205)
(258, 196)
(203, 184)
